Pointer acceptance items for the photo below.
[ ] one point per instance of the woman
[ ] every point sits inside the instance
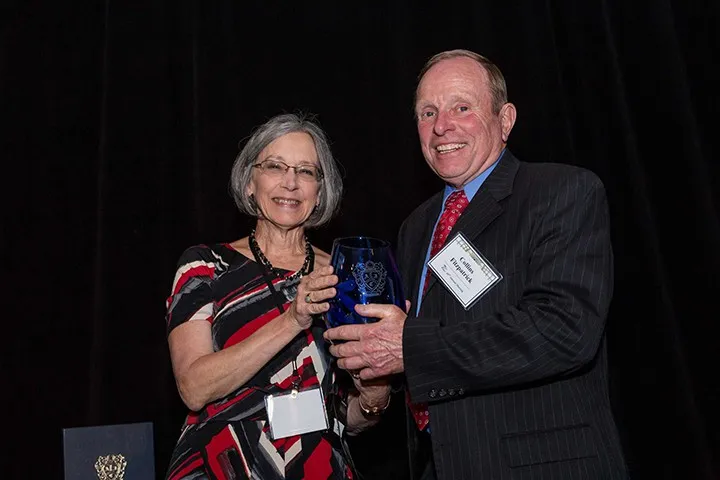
(242, 324)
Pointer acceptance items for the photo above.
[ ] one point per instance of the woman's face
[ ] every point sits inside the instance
(286, 196)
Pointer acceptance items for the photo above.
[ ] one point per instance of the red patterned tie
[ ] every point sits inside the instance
(454, 206)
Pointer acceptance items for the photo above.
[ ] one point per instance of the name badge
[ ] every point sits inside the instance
(296, 412)
(464, 271)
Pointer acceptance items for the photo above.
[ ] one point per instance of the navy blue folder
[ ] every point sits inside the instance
(119, 449)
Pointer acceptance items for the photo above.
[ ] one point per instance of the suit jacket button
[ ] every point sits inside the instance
(451, 392)
(433, 393)
(442, 392)
(461, 391)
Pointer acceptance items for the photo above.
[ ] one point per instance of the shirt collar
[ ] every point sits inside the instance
(474, 185)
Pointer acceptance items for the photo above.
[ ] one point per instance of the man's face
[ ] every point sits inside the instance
(460, 136)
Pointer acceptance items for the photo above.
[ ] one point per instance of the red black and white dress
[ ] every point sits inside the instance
(218, 285)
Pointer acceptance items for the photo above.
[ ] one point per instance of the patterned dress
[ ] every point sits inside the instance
(230, 438)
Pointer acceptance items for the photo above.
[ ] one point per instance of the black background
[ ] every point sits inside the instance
(120, 122)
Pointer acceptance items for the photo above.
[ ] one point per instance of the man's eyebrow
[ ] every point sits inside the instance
(462, 96)
(425, 104)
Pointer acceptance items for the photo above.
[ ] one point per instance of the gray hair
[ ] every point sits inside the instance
(496, 80)
(330, 187)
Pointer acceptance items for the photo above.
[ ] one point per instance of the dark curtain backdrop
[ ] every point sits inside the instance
(120, 122)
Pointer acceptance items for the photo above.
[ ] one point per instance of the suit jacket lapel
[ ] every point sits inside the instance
(485, 205)
(424, 237)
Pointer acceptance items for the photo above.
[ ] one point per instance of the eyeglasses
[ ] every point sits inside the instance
(306, 171)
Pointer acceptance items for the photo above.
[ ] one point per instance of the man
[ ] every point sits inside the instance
(503, 348)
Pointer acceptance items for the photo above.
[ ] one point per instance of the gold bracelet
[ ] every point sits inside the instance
(373, 411)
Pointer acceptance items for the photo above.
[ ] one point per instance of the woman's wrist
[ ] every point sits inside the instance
(373, 408)
(292, 322)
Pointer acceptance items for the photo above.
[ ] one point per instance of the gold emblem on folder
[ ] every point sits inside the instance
(111, 467)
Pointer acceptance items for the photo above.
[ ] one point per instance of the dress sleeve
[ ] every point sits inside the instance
(191, 297)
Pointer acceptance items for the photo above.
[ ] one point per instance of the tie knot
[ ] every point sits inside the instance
(457, 200)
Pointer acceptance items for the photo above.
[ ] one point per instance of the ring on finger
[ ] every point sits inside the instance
(356, 374)
(308, 299)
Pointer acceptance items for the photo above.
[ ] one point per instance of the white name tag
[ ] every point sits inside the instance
(464, 271)
(296, 412)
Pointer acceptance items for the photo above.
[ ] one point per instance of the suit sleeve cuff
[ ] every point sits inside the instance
(420, 336)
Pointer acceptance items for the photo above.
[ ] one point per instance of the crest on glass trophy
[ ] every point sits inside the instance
(367, 273)
(370, 277)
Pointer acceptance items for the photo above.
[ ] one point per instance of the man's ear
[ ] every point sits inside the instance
(508, 114)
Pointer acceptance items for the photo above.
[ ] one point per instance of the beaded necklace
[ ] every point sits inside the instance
(262, 259)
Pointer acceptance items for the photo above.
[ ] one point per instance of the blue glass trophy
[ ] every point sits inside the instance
(367, 273)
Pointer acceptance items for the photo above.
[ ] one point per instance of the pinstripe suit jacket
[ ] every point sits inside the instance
(517, 385)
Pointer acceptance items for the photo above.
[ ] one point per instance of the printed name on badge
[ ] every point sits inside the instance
(464, 271)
